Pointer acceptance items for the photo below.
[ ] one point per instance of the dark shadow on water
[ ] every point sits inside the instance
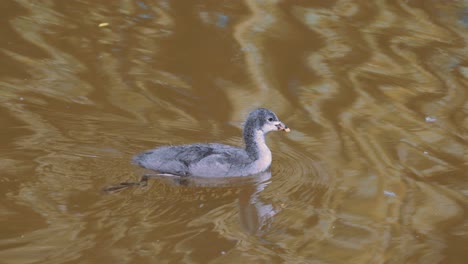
(191, 181)
(255, 215)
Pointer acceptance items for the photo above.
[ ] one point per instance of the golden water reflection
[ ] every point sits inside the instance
(374, 170)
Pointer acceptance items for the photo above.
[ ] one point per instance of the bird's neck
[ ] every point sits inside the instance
(255, 145)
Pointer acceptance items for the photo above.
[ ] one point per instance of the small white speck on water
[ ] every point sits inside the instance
(223, 252)
(430, 119)
(425, 152)
(21, 98)
(201, 205)
(389, 193)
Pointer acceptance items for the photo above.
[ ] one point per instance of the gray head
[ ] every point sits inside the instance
(264, 120)
(259, 122)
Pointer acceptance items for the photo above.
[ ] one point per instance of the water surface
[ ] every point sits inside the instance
(374, 170)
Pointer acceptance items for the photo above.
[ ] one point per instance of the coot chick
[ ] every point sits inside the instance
(218, 160)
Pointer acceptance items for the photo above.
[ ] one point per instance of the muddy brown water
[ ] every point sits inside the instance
(374, 170)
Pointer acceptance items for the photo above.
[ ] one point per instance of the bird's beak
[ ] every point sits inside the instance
(282, 126)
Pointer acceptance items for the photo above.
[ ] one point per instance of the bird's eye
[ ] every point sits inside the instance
(270, 119)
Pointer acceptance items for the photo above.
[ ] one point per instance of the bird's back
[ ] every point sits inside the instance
(195, 159)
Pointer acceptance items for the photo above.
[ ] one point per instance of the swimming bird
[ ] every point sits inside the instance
(218, 160)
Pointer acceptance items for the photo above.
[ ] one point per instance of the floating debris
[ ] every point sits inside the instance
(430, 119)
(389, 193)
(222, 20)
(464, 71)
(103, 24)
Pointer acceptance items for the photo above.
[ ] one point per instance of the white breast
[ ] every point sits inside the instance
(264, 160)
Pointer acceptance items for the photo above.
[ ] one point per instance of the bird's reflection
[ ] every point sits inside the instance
(255, 215)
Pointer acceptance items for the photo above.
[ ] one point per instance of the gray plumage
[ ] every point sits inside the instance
(218, 160)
